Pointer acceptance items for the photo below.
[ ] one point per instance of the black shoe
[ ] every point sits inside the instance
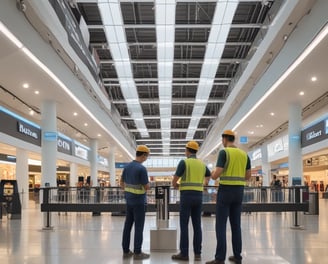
(198, 257)
(215, 261)
(127, 254)
(140, 256)
(234, 260)
(180, 257)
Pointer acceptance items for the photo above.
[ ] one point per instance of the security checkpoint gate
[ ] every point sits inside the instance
(162, 237)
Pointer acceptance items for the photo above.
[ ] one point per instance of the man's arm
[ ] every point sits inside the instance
(175, 182)
(248, 175)
(122, 182)
(216, 173)
(147, 186)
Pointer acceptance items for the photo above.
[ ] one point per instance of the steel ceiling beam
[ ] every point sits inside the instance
(127, 118)
(180, 26)
(174, 101)
(191, 61)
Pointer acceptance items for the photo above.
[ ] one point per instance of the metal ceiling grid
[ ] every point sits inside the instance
(193, 22)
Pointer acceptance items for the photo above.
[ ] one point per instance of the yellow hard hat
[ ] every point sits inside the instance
(228, 133)
(192, 145)
(143, 148)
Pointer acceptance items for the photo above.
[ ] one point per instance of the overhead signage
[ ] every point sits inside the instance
(120, 165)
(315, 133)
(243, 139)
(49, 136)
(64, 145)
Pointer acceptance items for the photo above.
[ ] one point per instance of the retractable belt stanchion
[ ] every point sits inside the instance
(162, 237)
(46, 215)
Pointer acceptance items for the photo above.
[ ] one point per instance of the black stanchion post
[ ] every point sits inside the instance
(297, 200)
(47, 214)
(97, 200)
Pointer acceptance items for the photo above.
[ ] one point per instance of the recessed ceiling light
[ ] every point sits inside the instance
(85, 124)
(31, 112)
(301, 93)
(251, 132)
(259, 125)
(99, 135)
(75, 114)
(36, 92)
(272, 114)
(26, 85)
(313, 79)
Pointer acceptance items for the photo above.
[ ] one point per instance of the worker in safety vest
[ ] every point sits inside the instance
(191, 173)
(135, 182)
(233, 167)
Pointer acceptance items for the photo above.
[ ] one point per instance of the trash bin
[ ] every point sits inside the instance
(314, 203)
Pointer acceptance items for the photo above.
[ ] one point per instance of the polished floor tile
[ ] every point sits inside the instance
(83, 238)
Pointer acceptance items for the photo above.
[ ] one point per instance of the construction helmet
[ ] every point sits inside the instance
(192, 145)
(143, 148)
(228, 133)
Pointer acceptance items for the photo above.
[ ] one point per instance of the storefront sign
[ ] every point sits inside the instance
(256, 155)
(19, 127)
(81, 152)
(64, 145)
(315, 133)
(103, 161)
(27, 130)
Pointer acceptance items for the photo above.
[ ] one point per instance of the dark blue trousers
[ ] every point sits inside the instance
(190, 206)
(229, 203)
(135, 214)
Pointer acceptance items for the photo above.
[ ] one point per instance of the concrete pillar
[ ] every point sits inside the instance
(22, 176)
(94, 162)
(73, 175)
(266, 166)
(111, 164)
(294, 139)
(48, 143)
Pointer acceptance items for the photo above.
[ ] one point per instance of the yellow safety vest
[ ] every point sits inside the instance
(235, 167)
(193, 176)
(134, 188)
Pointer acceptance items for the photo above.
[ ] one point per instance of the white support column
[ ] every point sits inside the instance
(22, 176)
(49, 143)
(111, 163)
(266, 166)
(73, 177)
(294, 140)
(94, 162)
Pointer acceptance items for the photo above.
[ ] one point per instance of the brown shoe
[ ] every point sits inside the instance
(180, 257)
(127, 254)
(140, 256)
(234, 260)
(215, 261)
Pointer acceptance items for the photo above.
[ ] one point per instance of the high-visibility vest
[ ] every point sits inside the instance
(235, 167)
(193, 176)
(134, 188)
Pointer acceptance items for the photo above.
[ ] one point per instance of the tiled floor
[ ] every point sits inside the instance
(82, 238)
